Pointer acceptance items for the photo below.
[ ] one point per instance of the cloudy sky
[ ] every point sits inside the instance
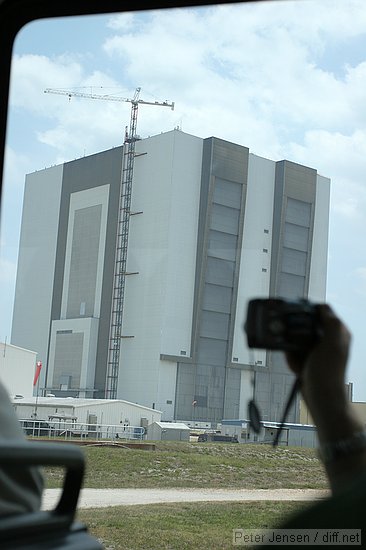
(286, 79)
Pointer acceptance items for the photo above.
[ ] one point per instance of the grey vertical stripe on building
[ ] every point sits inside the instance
(68, 357)
(292, 232)
(79, 175)
(84, 262)
(207, 381)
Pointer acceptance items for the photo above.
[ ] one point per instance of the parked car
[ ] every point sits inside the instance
(218, 437)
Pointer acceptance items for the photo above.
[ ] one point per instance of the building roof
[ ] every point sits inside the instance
(172, 425)
(268, 424)
(75, 402)
(4, 345)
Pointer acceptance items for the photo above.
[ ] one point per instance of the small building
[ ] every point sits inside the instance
(294, 435)
(85, 411)
(168, 431)
(17, 368)
(359, 408)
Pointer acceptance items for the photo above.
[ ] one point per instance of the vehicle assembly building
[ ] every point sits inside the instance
(165, 277)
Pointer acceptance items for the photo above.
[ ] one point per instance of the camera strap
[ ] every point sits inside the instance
(290, 400)
(255, 417)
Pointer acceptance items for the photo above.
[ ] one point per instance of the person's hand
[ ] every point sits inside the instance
(322, 372)
(324, 365)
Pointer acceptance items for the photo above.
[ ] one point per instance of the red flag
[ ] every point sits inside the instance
(38, 372)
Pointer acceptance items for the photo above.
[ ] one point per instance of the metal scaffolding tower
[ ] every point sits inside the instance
(123, 224)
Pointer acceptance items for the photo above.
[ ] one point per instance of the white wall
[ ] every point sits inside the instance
(162, 249)
(17, 368)
(111, 412)
(166, 389)
(253, 282)
(319, 257)
(182, 244)
(116, 412)
(36, 261)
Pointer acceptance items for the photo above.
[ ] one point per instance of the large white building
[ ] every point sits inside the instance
(211, 226)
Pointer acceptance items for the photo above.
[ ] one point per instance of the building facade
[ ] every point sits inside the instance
(17, 370)
(211, 226)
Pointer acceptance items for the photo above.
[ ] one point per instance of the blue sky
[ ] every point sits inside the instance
(286, 79)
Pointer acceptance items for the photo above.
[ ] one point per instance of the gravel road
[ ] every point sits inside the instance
(100, 498)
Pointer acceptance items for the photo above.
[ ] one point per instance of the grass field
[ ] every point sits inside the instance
(193, 526)
(214, 465)
(203, 526)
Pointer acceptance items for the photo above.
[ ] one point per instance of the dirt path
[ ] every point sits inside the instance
(100, 498)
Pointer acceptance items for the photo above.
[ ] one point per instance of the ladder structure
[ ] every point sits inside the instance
(123, 224)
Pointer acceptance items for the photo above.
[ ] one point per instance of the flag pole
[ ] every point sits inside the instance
(37, 392)
(36, 381)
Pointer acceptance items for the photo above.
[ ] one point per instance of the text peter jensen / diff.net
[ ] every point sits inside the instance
(300, 537)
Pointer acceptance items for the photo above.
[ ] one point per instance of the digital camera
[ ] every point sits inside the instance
(279, 324)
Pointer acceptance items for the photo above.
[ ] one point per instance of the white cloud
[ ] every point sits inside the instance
(121, 22)
(31, 74)
(16, 165)
(259, 60)
(83, 127)
(247, 73)
(343, 159)
(78, 126)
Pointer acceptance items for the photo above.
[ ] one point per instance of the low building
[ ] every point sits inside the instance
(168, 431)
(17, 368)
(359, 407)
(85, 411)
(292, 435)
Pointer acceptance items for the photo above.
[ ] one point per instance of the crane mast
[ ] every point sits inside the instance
(123, 224)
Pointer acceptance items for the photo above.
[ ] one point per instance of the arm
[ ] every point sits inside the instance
(322, 376)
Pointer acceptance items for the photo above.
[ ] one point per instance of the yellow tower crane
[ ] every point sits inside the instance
(120, 272)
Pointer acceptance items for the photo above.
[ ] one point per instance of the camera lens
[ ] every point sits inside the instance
(276, 327)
